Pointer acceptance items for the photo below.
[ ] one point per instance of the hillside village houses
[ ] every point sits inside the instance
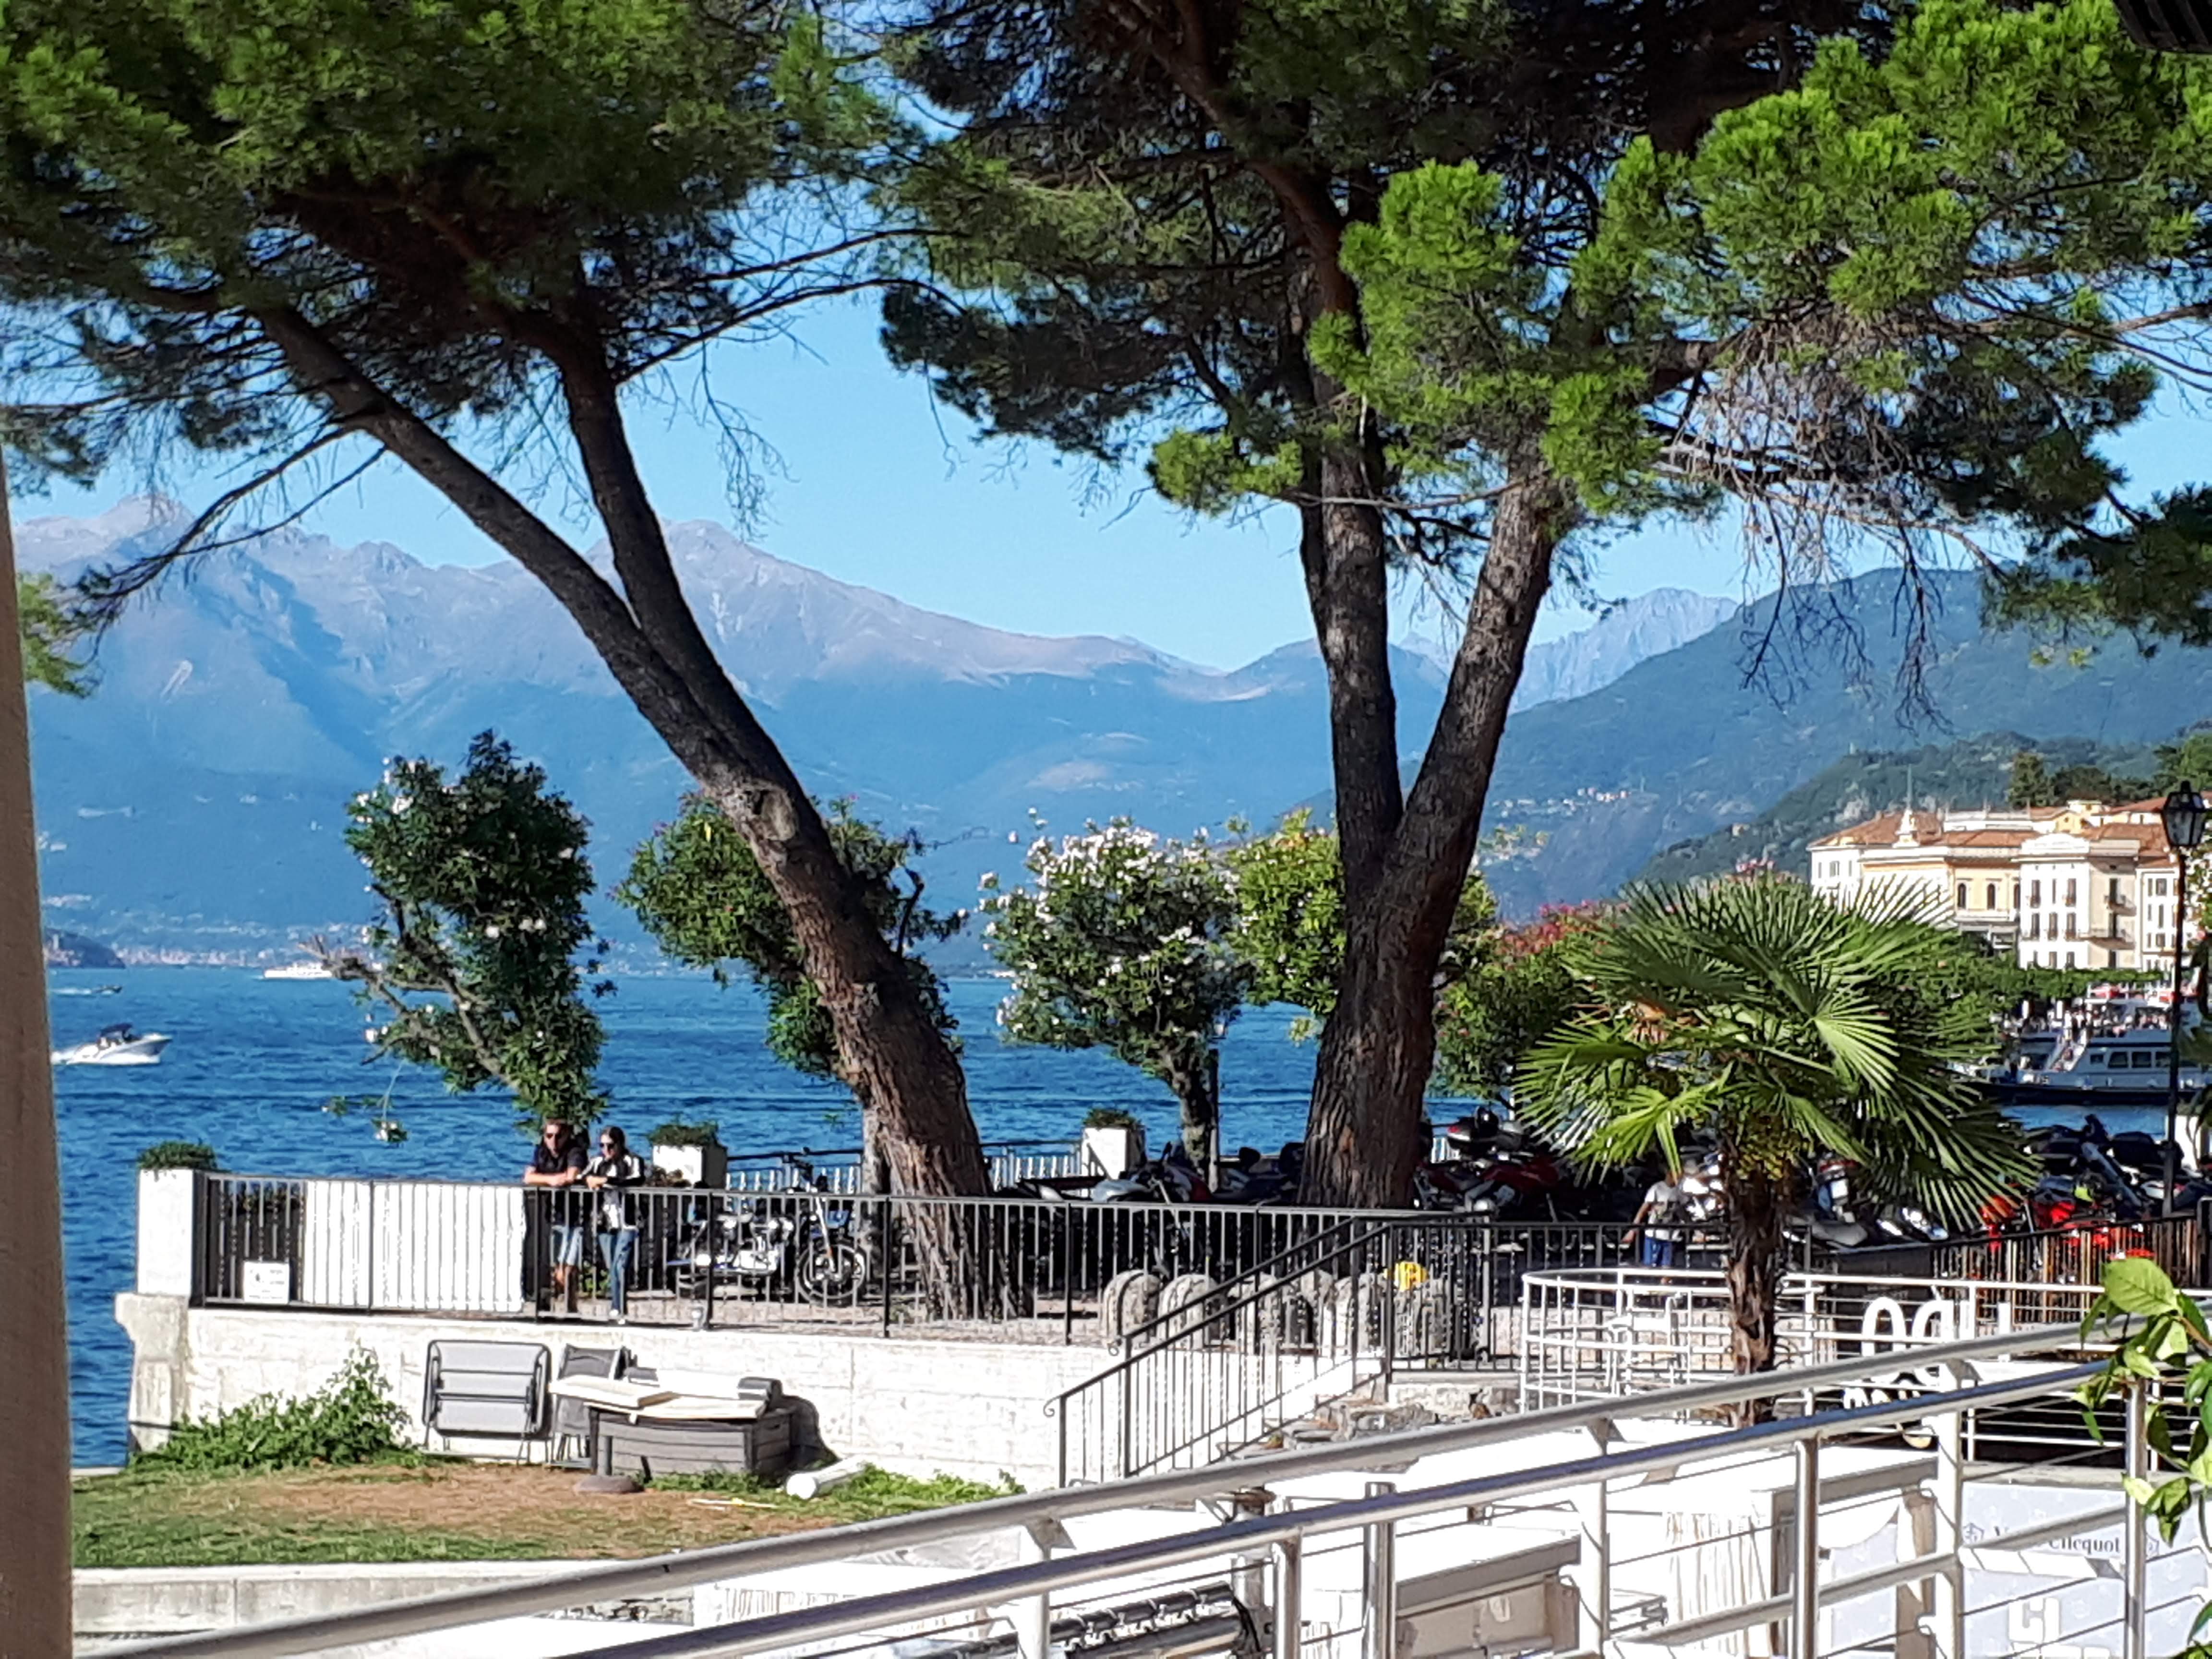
(2082, 885)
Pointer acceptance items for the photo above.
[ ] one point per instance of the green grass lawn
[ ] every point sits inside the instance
(441, 1509)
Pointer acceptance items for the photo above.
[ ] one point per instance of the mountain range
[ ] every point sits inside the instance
(195, 804)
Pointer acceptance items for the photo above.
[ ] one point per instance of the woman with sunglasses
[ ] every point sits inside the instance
(615, 1169)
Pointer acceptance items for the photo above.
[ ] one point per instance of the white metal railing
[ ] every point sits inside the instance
(838, 1170)
(1825, 1534)
(1591, 1334)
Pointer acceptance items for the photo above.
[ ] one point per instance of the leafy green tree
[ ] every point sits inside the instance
(2031, 784)
(1785, 1027)
(1290, 917)
(309, 232)
(1457, 310)
(1123, 940)
(1488, 1020)
(47, 630)
(482, 878)
(703, 896)
(1290, 920)
(2187, 759)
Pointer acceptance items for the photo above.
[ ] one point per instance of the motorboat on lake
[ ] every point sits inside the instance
(118, 1045)
(2111, 1068)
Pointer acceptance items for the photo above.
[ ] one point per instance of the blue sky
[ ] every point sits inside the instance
(879, 486)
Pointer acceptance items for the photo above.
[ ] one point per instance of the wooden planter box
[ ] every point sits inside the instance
(648, 1448)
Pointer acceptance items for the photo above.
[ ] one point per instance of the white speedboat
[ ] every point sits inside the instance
(297, 970)
(118, 1045)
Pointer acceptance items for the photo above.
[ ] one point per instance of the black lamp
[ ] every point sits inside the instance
(2184, 817)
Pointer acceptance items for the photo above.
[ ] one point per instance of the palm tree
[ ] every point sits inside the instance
(1785, 1027)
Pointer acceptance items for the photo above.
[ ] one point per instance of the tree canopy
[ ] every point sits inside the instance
(302, 237)
(475, 957)
(1122, 939)
(47, 630)
(1467, 288)
(700, 893)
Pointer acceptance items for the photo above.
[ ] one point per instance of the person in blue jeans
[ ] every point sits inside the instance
(558, 1161)
(1657, 1232)
(611, 1175)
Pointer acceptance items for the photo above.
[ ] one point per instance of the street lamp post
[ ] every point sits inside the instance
(2183, 815)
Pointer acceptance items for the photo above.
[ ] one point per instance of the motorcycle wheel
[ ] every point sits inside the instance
(830, 1274)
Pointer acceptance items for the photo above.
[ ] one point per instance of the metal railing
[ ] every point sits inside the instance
(2075, 1254)
(1625, 1332)
(1840, 1531)
(837, 1169)
(1216, 1369)
(1063, 1269)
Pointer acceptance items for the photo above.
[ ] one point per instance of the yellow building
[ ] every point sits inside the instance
(2082, 885)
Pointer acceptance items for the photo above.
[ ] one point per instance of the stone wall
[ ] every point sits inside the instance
(914, 1407)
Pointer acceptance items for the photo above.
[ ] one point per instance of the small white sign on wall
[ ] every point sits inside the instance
(267, 1281)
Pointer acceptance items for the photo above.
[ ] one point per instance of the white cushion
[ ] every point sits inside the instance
(612, 1391)
(701, 1408)
(720, 1385)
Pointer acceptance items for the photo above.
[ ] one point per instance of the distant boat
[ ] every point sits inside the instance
(86, 990)
(298, 970)
(118, 1045)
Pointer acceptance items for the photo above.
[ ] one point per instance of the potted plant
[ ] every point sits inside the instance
(691, 1154)
(1113, 1141)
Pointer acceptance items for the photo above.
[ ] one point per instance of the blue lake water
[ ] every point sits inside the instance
(254, 1060)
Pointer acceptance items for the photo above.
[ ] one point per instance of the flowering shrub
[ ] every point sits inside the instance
(1121, 940)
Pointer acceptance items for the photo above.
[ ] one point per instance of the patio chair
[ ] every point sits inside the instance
(486, 1390)
(572, 1417)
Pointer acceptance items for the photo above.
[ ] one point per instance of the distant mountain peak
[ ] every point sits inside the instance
(1624, 633)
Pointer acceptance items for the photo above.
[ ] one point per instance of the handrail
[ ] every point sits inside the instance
(1181, 1317)
(576, 1584)
(1007, 1584)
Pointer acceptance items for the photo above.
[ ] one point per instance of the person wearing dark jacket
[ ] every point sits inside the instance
(610, 1174)
(558, 1161)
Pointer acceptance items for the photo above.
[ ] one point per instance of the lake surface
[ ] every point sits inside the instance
(255, 1060)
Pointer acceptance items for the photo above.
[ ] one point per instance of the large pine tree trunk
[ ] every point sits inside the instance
(1363, 1130)
(652, 643)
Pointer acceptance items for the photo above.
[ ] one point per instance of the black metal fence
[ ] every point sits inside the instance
(1039, 1268)
(1065, 1270)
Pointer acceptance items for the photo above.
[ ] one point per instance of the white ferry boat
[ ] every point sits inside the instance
(297, 970)
(2112, 1069)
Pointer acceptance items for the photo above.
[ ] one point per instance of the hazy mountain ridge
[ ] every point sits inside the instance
(1682, 743)
(241, 706)
(197, 801)
(1624, 634)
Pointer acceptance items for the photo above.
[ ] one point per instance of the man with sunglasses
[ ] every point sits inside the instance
(558, 1160)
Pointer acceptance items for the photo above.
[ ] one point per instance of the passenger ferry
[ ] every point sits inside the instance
(2114, 1069)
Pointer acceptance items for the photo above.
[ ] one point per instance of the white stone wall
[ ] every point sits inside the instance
(914, 1407)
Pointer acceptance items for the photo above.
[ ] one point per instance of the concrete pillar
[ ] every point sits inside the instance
(161, 1363)
(34, 1521)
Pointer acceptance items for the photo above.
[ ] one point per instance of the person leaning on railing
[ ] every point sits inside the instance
(615, 1169)
(558, 1160)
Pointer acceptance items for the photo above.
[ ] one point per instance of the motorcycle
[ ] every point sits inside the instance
(801, 1244)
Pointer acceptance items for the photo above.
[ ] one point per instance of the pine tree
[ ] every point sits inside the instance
(1468, 288)
(308, 233)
